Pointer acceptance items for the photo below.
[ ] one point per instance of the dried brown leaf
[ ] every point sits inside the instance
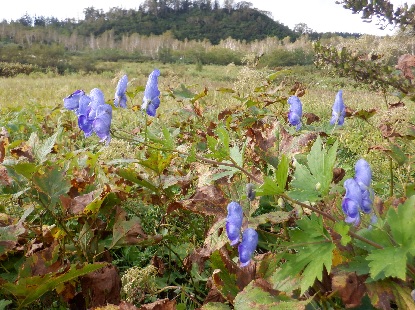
(208, 200)
(350, 287)
(405, 62)
(102, 286)
(163, 304)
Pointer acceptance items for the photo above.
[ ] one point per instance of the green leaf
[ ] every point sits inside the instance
(183, 92)
(157, 161)
(402, 224)
(224, 279)
(321, 163)
(52, 182)
(392, 259)
(387, 262)
(313, 182)
(275, 217)
(4, 304)
(215, 306)
(314, 252)
(254, 297)
(25, 169)
(343, 230)
(27, 290)
(275, 186)
(224, 139)
(131, 175)
(45, 148)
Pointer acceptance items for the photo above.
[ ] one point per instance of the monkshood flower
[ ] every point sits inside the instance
(352, 201)
(151, 100)
(120, 98)
(102, 122)
(248, 245)
(72, 101)
(358, 193)
(234, 222)
(363, 177)
(296, 111)
(94, 115)
(339, 110)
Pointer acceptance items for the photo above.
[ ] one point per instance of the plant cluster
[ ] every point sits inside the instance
(247, 207)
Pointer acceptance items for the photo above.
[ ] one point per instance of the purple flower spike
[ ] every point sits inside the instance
(72, 101)
(247, 247)
(352, 201)
(234, 222)
(102, 123)
(120, 99)
(339, 110)
(151, 100)
(363, 174)
(296, 111)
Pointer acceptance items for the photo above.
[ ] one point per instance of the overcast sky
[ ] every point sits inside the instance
(319, 15)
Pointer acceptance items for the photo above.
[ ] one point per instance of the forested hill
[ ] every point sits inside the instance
(192, 20)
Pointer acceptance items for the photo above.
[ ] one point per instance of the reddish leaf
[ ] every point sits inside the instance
(350, 287)
(77, 205)
(405, 62)
(102, 286)
(163, 304)
(24, 150)
(208, 200)
(311, 118)
(338, 175)
(4, 177)
(388, 131)
(4, 142)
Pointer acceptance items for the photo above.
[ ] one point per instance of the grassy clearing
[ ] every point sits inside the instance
(28, 94)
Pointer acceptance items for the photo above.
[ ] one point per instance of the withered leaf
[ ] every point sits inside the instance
(350, 287)
(208, 200)
(163, 304)
(24, 150)
(102, 286)
(405, 62)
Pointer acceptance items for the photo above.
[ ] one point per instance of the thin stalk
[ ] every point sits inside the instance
(391, 177)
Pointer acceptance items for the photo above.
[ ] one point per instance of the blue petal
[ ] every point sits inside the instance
(248, 245)
(353, 191)
(296, 111)
(339, 110)
(151, 94)
(72, 101)
(120, 99)
(363, 173)
(233, 232)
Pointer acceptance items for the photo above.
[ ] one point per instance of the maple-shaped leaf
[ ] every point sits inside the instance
(313, 181)
(314, 251)
(391, 260)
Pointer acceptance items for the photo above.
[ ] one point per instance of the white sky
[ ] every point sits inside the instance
(319, 15)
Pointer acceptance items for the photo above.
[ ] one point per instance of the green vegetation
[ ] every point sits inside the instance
(142, 222)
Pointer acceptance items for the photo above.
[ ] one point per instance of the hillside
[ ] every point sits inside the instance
(191, 20)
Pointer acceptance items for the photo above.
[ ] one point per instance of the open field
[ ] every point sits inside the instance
(149, 209)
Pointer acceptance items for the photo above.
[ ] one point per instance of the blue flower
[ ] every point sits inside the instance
(120, 98)
(296, 111)
(358, 195)
(247, 247)
(363, 177)
(72, 101)
(352, 201)
(151, 100)
(102, 122)
(94, 115)
(234, 222)
(339, 110)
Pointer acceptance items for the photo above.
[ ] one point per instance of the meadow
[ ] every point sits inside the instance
(146, 214)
